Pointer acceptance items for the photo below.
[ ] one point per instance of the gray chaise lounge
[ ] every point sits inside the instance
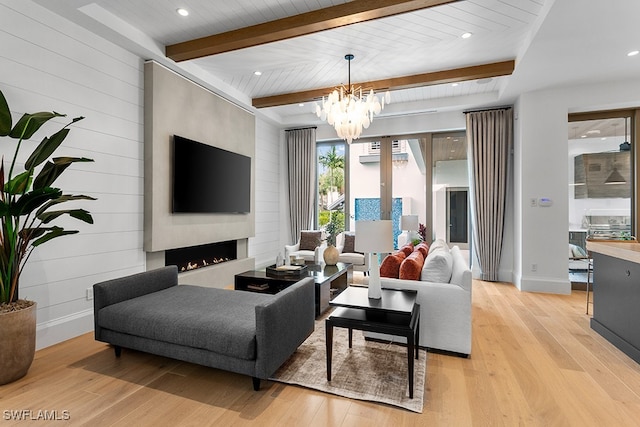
(244, 332)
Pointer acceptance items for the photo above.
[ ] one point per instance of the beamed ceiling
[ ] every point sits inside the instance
(412, 47)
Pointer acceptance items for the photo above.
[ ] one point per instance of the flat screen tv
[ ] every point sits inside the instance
(208, 179)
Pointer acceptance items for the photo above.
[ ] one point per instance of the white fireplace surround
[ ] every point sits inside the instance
(177, 106)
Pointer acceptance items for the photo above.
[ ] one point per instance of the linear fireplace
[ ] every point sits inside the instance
(194, 257)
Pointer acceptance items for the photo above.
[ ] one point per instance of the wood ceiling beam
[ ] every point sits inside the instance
(494, 69)
(295, 26)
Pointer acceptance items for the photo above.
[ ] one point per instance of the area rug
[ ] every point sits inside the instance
(371, 371)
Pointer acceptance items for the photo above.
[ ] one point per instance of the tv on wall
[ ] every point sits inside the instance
(208, 179)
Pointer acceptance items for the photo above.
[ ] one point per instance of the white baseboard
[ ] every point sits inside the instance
(545, 284)
(63, 328)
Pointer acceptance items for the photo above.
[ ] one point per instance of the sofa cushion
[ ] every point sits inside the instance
(411, 267)
(352, 258)
(407, 249)
(422, 247)
(437, 267)
(218, 320)
(350, 244)
(390, 266)
(310, 240)
(438, 245)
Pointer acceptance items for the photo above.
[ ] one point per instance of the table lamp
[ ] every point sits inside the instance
(411, 224)
(373, 238)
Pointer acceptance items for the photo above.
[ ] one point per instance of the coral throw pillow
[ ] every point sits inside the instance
(424, 248)
(407, 249)
(411, 267)
(390, 266)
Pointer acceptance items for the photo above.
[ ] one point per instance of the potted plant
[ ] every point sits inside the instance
(331, 253)
(29, 204)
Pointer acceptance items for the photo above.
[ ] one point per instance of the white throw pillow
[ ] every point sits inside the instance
(437, 245)
(437, 267)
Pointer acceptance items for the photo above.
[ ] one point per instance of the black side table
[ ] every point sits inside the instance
(396, 313)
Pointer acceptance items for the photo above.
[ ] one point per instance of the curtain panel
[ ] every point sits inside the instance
(301, 161)
(490, 137)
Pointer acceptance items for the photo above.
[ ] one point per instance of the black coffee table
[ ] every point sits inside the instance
(330, 281)
(396, 313)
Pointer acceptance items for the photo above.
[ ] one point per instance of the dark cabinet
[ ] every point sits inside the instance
(616, 302)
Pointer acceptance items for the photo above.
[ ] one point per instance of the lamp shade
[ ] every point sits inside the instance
(409, 222)
(374, 236)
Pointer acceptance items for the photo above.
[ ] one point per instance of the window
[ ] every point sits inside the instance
(331, 185)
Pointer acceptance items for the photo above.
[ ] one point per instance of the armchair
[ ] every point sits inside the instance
(309, 246)
(345, 243)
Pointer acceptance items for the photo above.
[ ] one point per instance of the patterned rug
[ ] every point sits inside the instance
(370, 370)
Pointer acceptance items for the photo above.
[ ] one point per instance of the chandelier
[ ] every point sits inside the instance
(348, 111)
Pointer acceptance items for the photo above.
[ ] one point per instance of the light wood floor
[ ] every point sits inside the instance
(535, 362)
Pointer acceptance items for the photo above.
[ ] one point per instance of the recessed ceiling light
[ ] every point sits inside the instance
(301, 104)
(633, 53)
(593, 131)
(454, 84)
(182, 11)
(257, 73)
(583, 136)
(466, 35)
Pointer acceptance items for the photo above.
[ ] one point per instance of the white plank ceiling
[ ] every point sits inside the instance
(412, 43)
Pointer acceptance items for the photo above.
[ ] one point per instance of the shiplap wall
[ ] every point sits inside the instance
(47, 63)
(266, 245)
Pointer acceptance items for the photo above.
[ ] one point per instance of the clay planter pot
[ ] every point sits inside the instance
(17, 343)
(331, 255)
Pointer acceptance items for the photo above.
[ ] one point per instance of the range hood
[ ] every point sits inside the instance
(602, 175)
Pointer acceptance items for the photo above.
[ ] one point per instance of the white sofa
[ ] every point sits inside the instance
(445, 308)
(359, 261)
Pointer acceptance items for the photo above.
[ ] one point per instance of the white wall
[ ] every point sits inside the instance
(266, 244)
(49, 64)
(541, 170)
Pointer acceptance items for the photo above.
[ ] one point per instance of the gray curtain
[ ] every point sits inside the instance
(490, 138)
(301, 160)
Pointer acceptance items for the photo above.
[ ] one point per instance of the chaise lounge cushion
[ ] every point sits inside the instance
(189, 316)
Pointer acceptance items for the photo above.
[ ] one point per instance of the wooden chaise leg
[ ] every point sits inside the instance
(256, 383)
(118, 350)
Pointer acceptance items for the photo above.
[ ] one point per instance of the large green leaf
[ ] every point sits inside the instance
(62, 199)
(2, 177)
(30, 201)
(53, 169)
(52, 233)
(19, 183)
(46, 148)
(30, 123)
(5, 116)
(80, 214)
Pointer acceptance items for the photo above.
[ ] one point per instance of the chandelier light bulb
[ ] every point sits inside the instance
(348, 110)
